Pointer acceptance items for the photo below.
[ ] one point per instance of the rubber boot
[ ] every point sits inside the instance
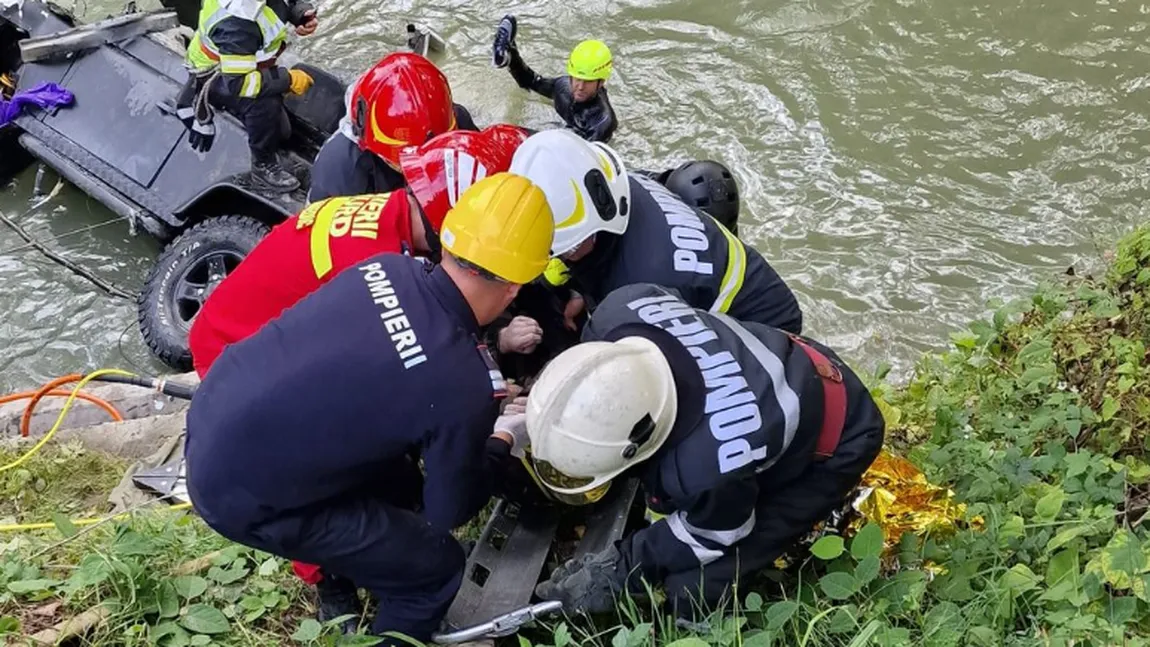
(338, 597)
(270, 176)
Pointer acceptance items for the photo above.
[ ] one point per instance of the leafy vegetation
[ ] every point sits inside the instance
(1037, 418)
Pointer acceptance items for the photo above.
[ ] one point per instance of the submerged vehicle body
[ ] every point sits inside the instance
(121, 143)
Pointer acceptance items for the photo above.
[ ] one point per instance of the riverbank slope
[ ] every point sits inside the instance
(1037, 419)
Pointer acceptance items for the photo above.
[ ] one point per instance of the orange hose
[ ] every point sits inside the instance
(103, 404)
(26, 420)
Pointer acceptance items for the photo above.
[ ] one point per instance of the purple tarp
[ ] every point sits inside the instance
(45, 95)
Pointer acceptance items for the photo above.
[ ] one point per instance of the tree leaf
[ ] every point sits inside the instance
(779, 612)
(757, 639)
(204, 619)
(1019, 579)
(867, 569)
(1122, 559)
(227, 576)
(688, 642)
(620, 639)
(868, 542)
(169, 634)
(942, 624)
(1050, 505)
(842, 620)
(1125, 383)
(983, 636)
(562, 635)
(754, 602)
(168, 600)
(64, 524)
(1120, 610)
(1013, 527)
(1062, 566)
(640, 634)
(1066, 536)
(251, 603)
(9, 625)
(523, 642)
(828, 547)
(133, 544)
(309, 630)
(1109, 408)
(190, 586)
(1078, 462)
(270, 567)
(93, 570)
(200, 640)
(31, 586)
(838, 586)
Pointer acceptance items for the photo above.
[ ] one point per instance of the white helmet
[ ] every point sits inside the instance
(585, 183)
(598, 408)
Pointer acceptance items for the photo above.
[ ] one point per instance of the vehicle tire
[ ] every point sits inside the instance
(186, 272)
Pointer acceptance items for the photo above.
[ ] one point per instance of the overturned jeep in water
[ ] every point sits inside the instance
(121, 143)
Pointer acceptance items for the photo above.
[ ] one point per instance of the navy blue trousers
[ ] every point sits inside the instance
(376, 540)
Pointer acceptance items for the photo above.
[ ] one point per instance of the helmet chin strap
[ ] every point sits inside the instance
(433, 243)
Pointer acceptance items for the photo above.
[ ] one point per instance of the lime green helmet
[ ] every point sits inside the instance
(590, 61)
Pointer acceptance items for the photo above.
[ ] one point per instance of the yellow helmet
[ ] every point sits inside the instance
(590, 61)
(501, 224)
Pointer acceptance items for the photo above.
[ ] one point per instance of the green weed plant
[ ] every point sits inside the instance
(1038, 418)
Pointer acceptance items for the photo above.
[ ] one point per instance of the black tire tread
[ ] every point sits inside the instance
(179, 358)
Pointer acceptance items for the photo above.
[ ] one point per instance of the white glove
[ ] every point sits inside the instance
(516, 406)
(515, 424)
(522, 335)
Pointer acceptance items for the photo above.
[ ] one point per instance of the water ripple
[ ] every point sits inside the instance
(902, 161)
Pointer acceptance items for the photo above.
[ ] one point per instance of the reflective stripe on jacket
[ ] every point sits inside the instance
(204, 54)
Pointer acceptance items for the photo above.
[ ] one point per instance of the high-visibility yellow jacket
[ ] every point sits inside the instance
(242, 38)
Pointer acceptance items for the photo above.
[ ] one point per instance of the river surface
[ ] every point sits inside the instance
(902, 162)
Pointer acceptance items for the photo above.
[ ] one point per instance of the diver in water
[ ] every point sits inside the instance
(580, 97)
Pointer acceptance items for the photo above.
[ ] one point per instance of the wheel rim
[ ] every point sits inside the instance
(196, 284)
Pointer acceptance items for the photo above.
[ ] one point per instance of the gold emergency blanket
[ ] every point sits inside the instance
(896, 495)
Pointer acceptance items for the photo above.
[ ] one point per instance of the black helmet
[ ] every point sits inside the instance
(709, 186)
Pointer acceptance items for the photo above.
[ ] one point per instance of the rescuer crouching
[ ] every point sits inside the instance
(743, 436)
(303, 440)
(615, 228)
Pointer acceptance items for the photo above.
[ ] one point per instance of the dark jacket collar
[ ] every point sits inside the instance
(449, 296)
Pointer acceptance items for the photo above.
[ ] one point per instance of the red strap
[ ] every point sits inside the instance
(309, 573)
(834, 401)
(209, 53)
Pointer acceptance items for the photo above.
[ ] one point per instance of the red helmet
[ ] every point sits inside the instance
(404, 100)
(510, 137)
(439, 171)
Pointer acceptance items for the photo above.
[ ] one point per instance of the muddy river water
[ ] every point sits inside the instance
(901, 161)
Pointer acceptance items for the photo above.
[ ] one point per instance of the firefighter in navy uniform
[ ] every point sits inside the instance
(232, 57)
(613, 229)
(580, 97)
(743, 436)
(403, 100)
(302, 440)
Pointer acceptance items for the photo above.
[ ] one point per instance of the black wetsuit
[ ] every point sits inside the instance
(593, 120)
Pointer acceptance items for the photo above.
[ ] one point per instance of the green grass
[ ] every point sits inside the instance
(1038, 419)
